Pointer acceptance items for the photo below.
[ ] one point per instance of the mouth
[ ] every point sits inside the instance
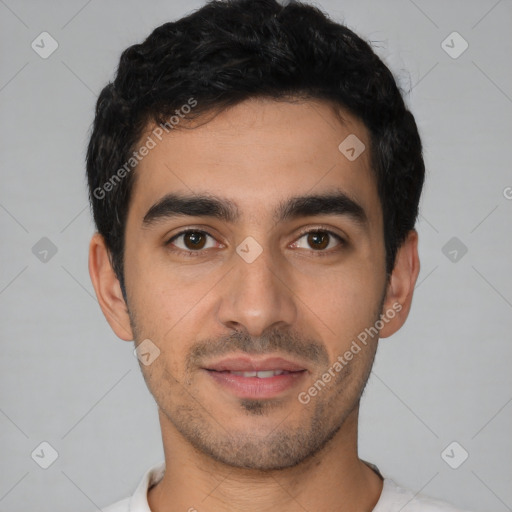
(247, 377)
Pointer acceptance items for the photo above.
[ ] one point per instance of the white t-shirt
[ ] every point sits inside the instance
(392, 499)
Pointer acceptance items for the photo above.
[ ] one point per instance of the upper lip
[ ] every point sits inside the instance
(253, 364)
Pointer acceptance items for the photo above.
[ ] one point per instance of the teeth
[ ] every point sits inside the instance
(266, 374)
(261, 375)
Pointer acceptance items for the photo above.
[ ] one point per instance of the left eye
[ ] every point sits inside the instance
(319, 240)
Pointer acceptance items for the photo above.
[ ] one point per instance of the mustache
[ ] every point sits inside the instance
(289, 342)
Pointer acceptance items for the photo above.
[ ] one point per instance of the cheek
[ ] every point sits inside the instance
(169, 306)
(345, 293)
(157, 290)
(342, 305)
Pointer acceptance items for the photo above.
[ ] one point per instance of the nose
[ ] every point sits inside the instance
(257, 295)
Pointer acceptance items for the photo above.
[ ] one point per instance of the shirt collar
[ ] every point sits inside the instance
(139, 499)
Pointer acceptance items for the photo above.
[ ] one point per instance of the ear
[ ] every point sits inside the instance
(401, 285)
(108, 289)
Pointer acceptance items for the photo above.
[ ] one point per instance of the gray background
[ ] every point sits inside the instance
(67, 380)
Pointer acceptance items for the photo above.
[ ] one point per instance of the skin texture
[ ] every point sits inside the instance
(223, 452)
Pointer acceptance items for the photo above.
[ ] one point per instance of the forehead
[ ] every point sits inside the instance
(256, 154)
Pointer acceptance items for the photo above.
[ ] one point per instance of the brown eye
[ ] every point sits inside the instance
(194, 240)
(318, 240)
(191, 241)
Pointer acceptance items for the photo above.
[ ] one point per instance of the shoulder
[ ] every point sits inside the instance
(120, 506)
(395, 498)
(138, 500)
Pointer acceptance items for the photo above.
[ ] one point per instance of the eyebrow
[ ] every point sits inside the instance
(178, 205)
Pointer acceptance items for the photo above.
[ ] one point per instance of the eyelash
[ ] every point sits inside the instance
(201, 252)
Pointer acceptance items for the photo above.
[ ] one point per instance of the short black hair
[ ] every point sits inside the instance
(229, 51)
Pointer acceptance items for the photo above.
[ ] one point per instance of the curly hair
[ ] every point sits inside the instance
(229, 51)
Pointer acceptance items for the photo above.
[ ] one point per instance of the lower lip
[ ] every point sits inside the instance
(254, 387)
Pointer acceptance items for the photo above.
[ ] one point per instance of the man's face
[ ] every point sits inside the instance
(255, 291)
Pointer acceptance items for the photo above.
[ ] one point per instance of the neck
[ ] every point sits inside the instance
(334, 479)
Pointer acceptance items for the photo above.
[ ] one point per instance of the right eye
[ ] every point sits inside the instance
(192, 240)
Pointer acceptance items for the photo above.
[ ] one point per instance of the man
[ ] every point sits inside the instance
(255, 179)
